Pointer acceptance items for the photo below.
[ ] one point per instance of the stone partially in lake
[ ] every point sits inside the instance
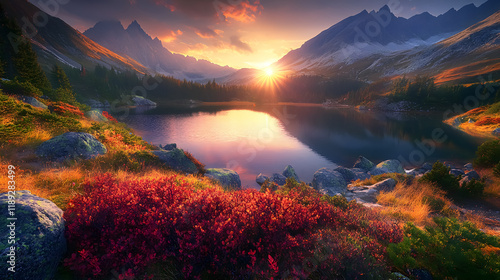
(364, 163)
(39, 232)
(141, 101)
(388, 166)
(456, 172)
(32, 101)
(96, 116)
(176, 159)
(72, 146)
(279, 179)
(227, 178)
(329, 182)
(289, 172)
(261, 179)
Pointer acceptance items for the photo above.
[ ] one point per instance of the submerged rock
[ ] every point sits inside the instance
(227, 178)
(176, 159)
(329, 182)
(289, 172)
(71, 145)
(39, 232)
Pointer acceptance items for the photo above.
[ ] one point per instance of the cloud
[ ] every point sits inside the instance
(171, 36)
(240, 45)
(243, 12)
(206, 33)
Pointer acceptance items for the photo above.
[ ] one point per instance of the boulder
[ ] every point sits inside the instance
(468, 167)
(261, 178)
(32, 101)
(496, 132)
(96, 116)
(289, 172)
(39, 235)
(227, 178)
(141, 101)
(364, 164)
(72, 146)
(426, 166)
(472, 175)
(361, 176)
(387, 185)
(348, 174)
(329, 182)
(388, 166)
(456, 172)
(176, 159)
(279, 179)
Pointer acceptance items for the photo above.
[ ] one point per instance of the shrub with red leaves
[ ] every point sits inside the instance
(65, 109)
(487, 121)
(109, 117)
(129, 225)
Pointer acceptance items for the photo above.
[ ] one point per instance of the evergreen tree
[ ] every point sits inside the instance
(29, 70)
(2, 71)
(60, 79)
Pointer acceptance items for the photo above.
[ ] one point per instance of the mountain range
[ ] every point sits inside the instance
(135, 43)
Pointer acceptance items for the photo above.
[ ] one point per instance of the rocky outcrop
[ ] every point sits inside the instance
(168, 147)
(96, 116)
(32, 101)
(368, 194)
(227, 178)
(176, 159)
(71, 146)
(289, 172)
(496, 132)
(261, 179)
(39, 236)
(329, 182)
(388, 166)
(278, 179)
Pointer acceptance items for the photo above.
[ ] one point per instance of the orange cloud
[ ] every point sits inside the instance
(164, 4)
(243, 12)
(171, 36)
(206, 33)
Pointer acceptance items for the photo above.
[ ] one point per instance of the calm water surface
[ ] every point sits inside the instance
(265, 139)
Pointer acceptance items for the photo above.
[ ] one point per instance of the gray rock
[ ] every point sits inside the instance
(72, 146)
(458, 121)
(398, 276)
(227, 178)
(329, 182)
(32, 101)
(472, 175)
(387, 185)
(348, 174)
(465, 180)
(289, 172)
(39, 233)
(426, 166)
(364, 164)
(377, 171)
(391, 166)
(261, 178)
(468, 167)
(471, 121)
(496, 132)
(456, 172)
(96, 116)
(361, 176)
(168, 147)
(176, 159)
(366, 195)
(141, 101)
(279, 179)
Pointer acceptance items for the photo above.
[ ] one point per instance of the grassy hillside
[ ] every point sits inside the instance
(480, 122)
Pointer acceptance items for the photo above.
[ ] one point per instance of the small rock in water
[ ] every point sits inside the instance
(261, 178)
(279, 179)
(364, 163)
(289, 172)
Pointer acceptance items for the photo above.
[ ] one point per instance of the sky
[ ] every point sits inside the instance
(237, 33)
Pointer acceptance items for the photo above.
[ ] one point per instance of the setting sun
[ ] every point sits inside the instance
(269, 72)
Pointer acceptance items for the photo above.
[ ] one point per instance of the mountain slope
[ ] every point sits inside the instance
(381, 32)
(134, 42)
(57, 42)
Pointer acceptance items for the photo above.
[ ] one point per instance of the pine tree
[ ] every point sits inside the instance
(29, 70)
(60, 79)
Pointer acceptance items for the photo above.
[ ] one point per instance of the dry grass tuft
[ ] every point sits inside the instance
(414, 203)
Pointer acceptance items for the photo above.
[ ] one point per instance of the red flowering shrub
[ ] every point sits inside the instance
(65, 109)
(127, 226)
(109, 117)
(487, 121)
